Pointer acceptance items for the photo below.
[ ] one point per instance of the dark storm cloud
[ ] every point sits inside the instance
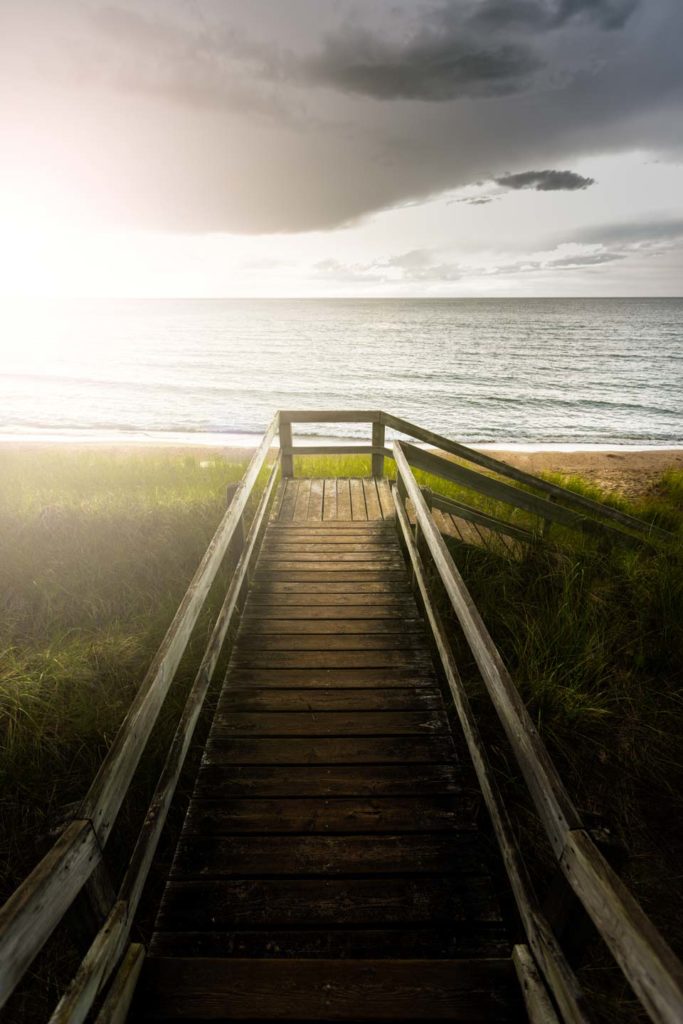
(545, 181)
(438, 63)
(544, 15)
(277, 117)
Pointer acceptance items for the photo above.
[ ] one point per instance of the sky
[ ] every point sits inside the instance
(346, 148)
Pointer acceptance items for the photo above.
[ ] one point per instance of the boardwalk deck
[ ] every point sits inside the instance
(330, 866)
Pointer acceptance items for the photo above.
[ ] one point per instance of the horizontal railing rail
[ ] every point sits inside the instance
(560, 504)
(650, 966)
(32, 913)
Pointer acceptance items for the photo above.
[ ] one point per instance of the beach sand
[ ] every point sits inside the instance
(631, 473)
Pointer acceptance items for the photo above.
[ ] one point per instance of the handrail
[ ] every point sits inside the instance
(541, 939)
(650, 966)
(571, 498)
(31, 914)
(109, 942)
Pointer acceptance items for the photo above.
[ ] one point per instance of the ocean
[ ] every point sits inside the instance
(535, 373)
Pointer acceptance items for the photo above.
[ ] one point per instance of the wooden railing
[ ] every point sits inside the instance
(651, 968)
(76, 863)
(76, 860)
(553, 503)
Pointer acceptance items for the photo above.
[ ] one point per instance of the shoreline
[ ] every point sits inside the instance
(631, 472)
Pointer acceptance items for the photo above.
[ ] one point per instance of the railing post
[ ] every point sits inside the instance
(286, 458)
(377, 442)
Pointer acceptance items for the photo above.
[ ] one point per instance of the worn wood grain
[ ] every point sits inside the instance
(367, 750)
(358, 507)
(243, 699)
(457, 939)
(463, 990)
(336, 678)
(31, 914)
(372, 504)
(401, 853)
(283, 902)
(216, 782)
(315, 501)
(288, 504)
(382, 658)
(330, 500)
(328, 723)
(331, 814)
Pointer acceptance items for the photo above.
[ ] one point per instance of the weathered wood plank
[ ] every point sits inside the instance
(267, 642)
(536, 998)
(343, 501)
(114, 1009)
(329, 415)
(329, 659)
(285, 438)
(370, 676)
(220, 782)
(31, 914)
(651, 967)
(291, 487)
(378, 442)
(385, 499)
(389, 854)
(303, 495)
(308, 699)
(346, 526)
(331, 750)
(325, 815)
(358, 508)
(327, 723)
(330, 499)
(471, 938)
(315, 501)
(375, 572)
(379, 557)
(371, 499)
(310, 607)
(329, 901)
(263, 626)
(456, 990)
(268, 586)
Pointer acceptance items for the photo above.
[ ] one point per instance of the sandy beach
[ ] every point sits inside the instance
(631, 473)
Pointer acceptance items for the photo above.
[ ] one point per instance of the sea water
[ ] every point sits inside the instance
(500, 372)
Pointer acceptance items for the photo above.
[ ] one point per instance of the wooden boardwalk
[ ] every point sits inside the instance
(330, 865)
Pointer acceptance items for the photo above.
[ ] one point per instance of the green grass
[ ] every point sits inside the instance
(96, 552)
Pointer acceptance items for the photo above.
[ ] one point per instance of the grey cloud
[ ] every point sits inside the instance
(412, 266)
(438, 63)
(589, 260)
(545, 181)
(161, 120)
(544, 15)
(476, 200)
(631, 232)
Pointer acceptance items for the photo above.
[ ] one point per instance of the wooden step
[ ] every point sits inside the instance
(178, 988)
